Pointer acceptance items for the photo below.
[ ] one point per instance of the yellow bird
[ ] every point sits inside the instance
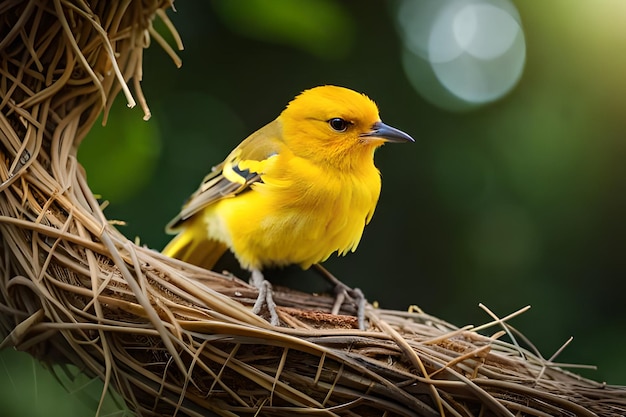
(297, 190)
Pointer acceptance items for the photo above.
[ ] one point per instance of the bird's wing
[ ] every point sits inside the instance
(228, 178)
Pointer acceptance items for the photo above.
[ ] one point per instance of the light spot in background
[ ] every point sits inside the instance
(462, 53)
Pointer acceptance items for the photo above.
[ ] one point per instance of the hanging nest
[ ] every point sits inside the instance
(176, 339)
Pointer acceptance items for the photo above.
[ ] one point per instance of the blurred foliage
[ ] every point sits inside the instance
(31, 390)
(321, 27)
(121, 174)
(519, 202)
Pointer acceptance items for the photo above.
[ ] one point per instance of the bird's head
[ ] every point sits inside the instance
(336, 126)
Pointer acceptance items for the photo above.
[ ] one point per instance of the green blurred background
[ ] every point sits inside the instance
(514, 202)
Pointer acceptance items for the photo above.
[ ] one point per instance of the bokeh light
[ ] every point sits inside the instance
(462, 53)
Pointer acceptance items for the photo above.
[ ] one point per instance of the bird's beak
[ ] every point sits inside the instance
(387, 133)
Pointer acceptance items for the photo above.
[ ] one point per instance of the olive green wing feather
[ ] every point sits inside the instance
(228, 178)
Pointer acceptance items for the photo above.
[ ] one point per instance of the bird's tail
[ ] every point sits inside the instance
(192, 246)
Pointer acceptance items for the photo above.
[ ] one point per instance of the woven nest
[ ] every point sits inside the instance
(175, 339)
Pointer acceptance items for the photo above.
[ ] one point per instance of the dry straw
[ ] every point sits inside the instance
(178, 340)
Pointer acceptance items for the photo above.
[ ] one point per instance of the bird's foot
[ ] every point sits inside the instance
(265, 297)
(342, 291)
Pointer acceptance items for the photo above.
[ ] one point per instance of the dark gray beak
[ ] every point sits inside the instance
(388, 133)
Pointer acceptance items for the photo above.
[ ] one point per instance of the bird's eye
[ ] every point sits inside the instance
(338, 124)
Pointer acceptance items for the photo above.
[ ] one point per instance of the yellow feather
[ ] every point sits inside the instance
(193, 246)
(295, 191)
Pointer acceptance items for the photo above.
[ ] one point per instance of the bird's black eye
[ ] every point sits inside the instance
(338, 124)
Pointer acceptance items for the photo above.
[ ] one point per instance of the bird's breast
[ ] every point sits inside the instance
(301, 213)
